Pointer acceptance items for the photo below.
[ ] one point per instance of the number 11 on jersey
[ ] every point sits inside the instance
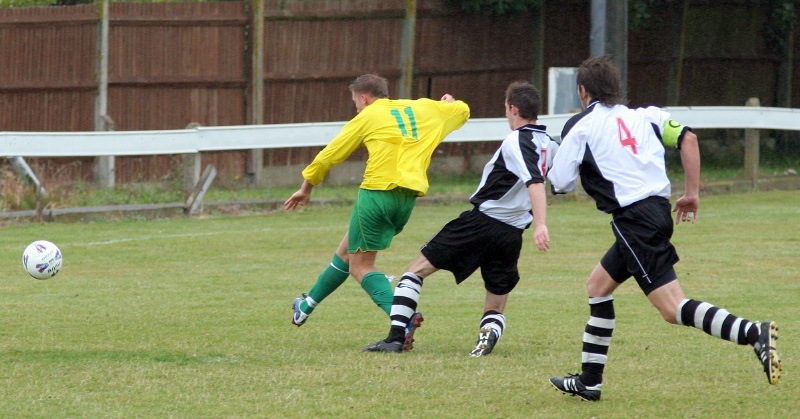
(402, 124)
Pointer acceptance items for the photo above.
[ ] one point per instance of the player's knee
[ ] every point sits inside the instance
(596, 289)
(358, 272)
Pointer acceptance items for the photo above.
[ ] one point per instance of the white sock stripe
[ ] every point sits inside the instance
(340, 270)
(716, 323)
(406, 283)
(700, 314)
(596, 340)
(494, 318)
(407, 291)
(310, 301)
(401, 310)
(602, 323)
(598, 300)
(396, 323)
(593, 358)
(412, 275)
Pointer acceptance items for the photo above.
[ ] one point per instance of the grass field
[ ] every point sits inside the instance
(189, 318)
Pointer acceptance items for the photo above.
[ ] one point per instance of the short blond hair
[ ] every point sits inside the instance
(372, 84)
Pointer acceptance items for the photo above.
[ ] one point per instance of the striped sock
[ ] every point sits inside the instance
(597, 339)
(406, 297)
(496, 320)
(716, 322)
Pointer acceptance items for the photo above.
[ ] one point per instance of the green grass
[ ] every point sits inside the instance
(189, 318)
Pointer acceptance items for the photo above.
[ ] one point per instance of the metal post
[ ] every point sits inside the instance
(609, 35)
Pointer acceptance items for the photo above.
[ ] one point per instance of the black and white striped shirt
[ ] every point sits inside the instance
(522, 159)
(618, 153)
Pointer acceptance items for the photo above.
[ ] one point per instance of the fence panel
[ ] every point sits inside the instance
(172, 64)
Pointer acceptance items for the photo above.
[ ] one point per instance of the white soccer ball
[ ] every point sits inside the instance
(42, 259)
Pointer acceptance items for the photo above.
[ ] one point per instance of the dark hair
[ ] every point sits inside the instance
(373, 84)
(526, 98)
(601, 79)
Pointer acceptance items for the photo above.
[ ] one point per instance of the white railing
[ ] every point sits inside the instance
(194, 140)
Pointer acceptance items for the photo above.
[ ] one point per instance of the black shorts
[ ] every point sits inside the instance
(475, 240)
(643, 248)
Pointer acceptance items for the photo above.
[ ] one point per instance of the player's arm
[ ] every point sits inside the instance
(455, 113)
(676, 135)
(299, 198)
(337, 151)
(686, 207)
(538, 196)
(563, 175)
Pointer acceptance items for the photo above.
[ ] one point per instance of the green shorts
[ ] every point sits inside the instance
(377, 217)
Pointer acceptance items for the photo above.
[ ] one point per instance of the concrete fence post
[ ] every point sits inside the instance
(751, 149)
(192, 163)
(104, 169)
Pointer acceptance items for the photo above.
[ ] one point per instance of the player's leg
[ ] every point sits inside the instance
(720, 323)
(642, 247)
(373, 282)
(440, 252)
(404, 315)
(379, 216)
(500, 276)
(600, 327)
(657, 278)
(328, 281)
(597, 334)
(675, 308)
(492, 324)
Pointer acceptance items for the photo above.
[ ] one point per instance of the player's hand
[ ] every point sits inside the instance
(298, 198)
(542, 238)
(686, 209)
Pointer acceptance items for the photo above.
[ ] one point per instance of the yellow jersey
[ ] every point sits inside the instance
(400, 137)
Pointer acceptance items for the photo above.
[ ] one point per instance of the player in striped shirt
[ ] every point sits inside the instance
(511, 196)
(400, 137)
(618, 153)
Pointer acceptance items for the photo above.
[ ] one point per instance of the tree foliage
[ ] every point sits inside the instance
(779, 27)
(639, 13)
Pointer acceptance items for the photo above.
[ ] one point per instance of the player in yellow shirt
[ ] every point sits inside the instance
(400, 136)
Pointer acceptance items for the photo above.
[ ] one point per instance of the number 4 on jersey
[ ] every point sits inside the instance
(625, 136)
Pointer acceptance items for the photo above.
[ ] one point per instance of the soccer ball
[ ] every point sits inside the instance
(42, 259)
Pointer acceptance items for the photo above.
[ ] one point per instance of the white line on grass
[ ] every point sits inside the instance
(214, 233)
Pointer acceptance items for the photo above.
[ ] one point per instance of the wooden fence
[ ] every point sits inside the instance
(173, 64)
